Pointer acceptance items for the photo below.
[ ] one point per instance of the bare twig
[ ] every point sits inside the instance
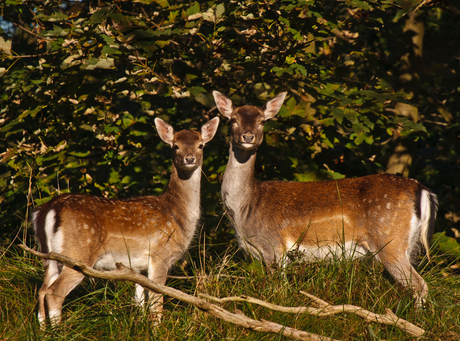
(325, 309)
(198, 276)
(421, 4)
(32, 33)
(125, 274)
(389, 318)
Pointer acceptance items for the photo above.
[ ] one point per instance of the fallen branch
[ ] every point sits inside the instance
(189, 278)
(125, 274)
(325, 309)
(389, 318)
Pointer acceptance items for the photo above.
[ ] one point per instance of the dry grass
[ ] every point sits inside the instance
(100, 309)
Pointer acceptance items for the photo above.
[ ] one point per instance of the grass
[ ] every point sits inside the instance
(101, 310)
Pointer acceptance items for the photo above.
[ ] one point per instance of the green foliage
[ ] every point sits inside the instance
(82, 83)
(448, 245)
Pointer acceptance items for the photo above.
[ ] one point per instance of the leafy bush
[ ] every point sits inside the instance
(82, 82)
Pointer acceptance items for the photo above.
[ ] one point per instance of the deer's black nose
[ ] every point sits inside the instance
(248, 137)
(189, 159)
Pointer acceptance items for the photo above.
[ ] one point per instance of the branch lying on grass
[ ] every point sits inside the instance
(192, 277)
(125, 274)
(325, 309)
(388, 318)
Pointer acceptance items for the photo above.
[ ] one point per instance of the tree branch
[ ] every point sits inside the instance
(32, 33)
(125, 274)
(389, 318)
(325, 309)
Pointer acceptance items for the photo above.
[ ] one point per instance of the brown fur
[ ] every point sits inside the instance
(383, 214)
(148, 233)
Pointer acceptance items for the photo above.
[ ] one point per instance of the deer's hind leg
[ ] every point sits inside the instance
(52, 271)
(56, 291)
(400, 267)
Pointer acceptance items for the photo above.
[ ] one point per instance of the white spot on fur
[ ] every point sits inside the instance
(54, 240)
(139, 296)
(41, 319)
(313, 253)
(55, 316)
(53, 270)
(58, 241)
(139, 261)
(50, 220)
(414, 235)
(425, 215)
(388, 205)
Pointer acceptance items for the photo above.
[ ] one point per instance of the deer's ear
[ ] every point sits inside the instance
(223, 103)
(272, 107)
(209, 129)
(165, 130)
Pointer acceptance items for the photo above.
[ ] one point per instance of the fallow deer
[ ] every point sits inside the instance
(148, 234)
(383, 214)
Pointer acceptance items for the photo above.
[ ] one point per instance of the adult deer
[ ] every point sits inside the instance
(382, 214)
(147, 233)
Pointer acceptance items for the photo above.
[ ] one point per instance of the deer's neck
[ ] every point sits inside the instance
(184, 191)
(238, 185)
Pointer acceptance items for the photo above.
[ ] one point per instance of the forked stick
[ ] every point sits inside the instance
(126, 274)
(325, 309)
(389, 318)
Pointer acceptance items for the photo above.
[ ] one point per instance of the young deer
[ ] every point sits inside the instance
(383, 214)
(147, 234)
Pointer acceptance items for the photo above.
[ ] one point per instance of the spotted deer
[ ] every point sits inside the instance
(383, 214)
(148, 234)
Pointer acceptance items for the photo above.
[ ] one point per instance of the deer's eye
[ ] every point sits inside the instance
(262, 123)
(175, 147)
(233, 121)
(200, 146)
